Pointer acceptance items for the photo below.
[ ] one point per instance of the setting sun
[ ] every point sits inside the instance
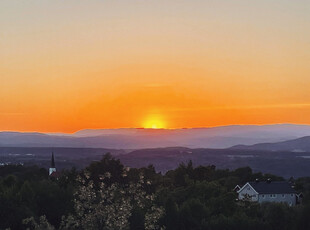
(154, 123)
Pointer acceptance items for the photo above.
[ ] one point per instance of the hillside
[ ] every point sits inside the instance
(296, 145)
(283, 163)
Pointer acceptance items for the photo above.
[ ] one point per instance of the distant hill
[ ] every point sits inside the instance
(282, 163)
(296, 145)
(64, 157)
(132, 138)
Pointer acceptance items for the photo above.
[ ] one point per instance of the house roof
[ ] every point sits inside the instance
(237, 188)
(274, 187)
(55, 174)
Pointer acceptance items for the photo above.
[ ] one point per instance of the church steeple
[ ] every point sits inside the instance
(53, 161)
(52, 168)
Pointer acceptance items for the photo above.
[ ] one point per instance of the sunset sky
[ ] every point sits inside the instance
(75, 64)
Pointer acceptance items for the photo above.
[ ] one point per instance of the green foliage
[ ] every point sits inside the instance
(108, 195)
(278, 216)
(27, 192)
(111, 169)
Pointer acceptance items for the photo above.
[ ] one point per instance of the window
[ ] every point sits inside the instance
(283, 195)
(263, 196)
(273, 195)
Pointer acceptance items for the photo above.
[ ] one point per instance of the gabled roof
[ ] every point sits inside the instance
(245, 186)
(237, 188)
(273, 187)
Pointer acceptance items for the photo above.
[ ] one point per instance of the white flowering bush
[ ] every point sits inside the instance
(107, 208)
(42, 225)
(107, 199)
(110, 206)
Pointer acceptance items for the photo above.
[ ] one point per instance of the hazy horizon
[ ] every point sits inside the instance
(155, 129)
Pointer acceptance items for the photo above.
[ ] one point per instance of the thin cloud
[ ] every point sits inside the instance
(12, 113)
(294, 105)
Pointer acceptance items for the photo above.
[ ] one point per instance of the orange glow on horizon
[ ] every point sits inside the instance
(72, 65)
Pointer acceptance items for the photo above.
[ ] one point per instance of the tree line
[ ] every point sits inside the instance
(108, 195)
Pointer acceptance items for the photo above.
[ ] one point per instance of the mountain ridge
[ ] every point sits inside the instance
(296, 145)
(137, 138)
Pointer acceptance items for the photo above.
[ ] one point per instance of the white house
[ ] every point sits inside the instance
(268, 191)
